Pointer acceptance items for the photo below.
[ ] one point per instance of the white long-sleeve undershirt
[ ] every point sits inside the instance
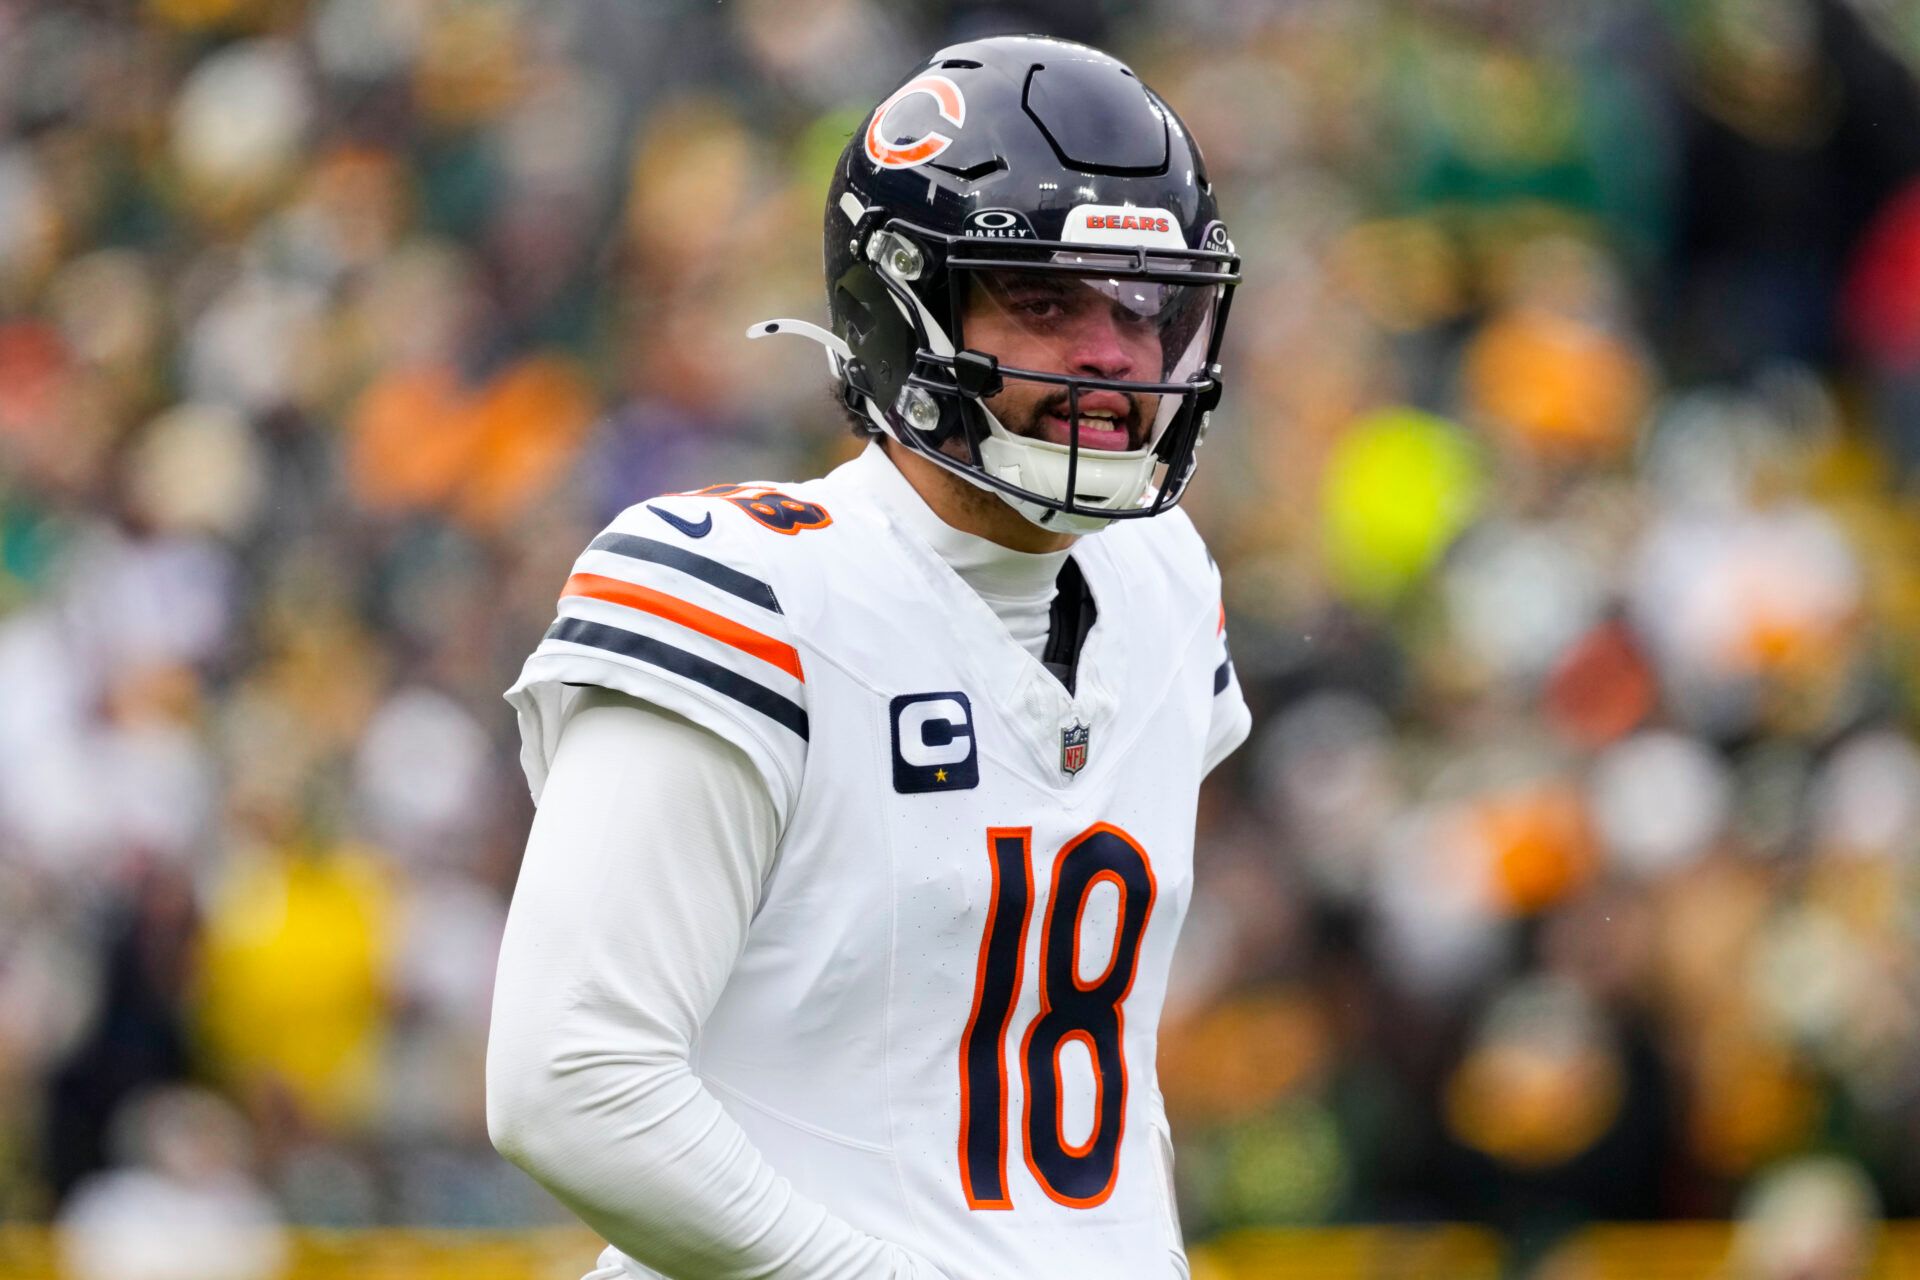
(643, 869)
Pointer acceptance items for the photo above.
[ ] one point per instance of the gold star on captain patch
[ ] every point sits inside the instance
(939, 775)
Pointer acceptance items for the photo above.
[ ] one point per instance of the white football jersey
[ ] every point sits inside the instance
(943, 1025)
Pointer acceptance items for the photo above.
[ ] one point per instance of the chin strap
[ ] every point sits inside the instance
(839, 355)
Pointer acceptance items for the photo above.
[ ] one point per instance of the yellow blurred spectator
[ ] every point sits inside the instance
(1400, 485)
(293, 991)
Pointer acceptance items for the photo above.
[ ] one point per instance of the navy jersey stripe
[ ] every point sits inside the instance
(711, 572)
(782, 711)
(1221, 674)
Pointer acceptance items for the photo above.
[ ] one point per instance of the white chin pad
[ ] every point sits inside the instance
(1102, 481)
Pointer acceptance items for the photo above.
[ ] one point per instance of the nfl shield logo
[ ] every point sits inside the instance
(1073, 748)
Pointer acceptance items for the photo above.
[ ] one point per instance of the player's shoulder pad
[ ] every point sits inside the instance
(678, 595)
(686, 601)
(778, 534)
(765, 508)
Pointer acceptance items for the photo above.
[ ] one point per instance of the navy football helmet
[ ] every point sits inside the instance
(1028, 279)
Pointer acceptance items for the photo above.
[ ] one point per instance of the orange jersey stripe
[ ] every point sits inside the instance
(692, 616)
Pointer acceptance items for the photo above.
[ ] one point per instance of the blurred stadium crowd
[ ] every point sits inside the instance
(1565, 490)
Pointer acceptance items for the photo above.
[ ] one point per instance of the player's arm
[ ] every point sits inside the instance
(642, 872)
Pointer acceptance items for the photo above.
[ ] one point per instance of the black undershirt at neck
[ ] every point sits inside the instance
(1070, 619)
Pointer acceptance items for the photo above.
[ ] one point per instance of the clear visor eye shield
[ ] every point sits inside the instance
(1069, 372)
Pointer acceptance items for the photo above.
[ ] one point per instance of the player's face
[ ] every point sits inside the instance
(1065, 324)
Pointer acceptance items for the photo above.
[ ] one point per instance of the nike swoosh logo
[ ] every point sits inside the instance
(693, 529)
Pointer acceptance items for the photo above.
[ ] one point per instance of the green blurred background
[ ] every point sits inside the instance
(1565, 489)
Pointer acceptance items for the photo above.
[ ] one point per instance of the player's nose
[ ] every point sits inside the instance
(1100, 348)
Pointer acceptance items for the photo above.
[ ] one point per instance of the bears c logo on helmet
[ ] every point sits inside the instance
(916, 151)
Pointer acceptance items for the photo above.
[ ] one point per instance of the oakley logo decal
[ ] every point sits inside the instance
(998, 224)
(952, 105)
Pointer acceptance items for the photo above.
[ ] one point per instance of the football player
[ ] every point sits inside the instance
(866, 804)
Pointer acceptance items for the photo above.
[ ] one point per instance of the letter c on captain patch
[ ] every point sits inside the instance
(910, 152)
(933, 746)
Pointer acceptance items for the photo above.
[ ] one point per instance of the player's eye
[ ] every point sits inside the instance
(1033, 297)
